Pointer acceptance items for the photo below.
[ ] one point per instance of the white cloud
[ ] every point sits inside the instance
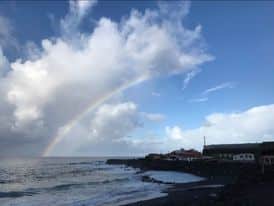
(226, 85)
(204, 96)
(156, 117)
(174, 132)
(114, 121)
(78, 9)
(111, 124)
(6, 34)
(154, 52)
(68, 75)
(4, 64)
(252, 125)
(108, 125)
(203, 99)
(32, 51)
(156, 94)
(82, 7)
(189, 76)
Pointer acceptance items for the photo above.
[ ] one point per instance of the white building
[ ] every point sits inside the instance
(244, 157)
(235, 152)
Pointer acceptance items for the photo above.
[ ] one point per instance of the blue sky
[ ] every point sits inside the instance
(239, 76)
(240, 37)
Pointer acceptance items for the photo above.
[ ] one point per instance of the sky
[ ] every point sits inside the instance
(126, 78)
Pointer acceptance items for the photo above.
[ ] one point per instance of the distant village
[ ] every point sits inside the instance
(260, 153)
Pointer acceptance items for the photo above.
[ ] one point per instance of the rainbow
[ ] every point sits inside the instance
(61, 133)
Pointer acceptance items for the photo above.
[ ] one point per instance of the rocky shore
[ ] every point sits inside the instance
(227, 183)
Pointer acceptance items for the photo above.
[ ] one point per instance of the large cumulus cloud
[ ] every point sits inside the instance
(40, 95)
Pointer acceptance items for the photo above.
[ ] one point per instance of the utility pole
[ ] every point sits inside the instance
(204, 141)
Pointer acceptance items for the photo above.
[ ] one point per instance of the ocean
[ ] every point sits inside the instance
(75, 182)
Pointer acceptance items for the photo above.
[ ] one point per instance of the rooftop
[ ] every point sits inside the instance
(233, 146)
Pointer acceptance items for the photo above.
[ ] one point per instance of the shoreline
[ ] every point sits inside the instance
(243, 184)
(195, 193)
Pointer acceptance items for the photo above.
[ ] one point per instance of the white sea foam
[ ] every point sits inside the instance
(172, 177)
(207, 186)
(71, 182)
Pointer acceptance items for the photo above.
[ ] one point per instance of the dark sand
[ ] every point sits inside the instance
(198, 194)
(186, 194)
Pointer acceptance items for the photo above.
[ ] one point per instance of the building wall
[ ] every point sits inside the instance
(244, 157)
(268, 160)
(261, 153)
(226, 156)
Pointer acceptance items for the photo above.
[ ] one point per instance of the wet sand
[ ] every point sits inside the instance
(198, 193)
(210, 193)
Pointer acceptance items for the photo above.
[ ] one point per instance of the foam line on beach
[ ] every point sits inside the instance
(173, 177)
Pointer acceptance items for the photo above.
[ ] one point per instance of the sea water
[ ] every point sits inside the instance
(73, 182)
